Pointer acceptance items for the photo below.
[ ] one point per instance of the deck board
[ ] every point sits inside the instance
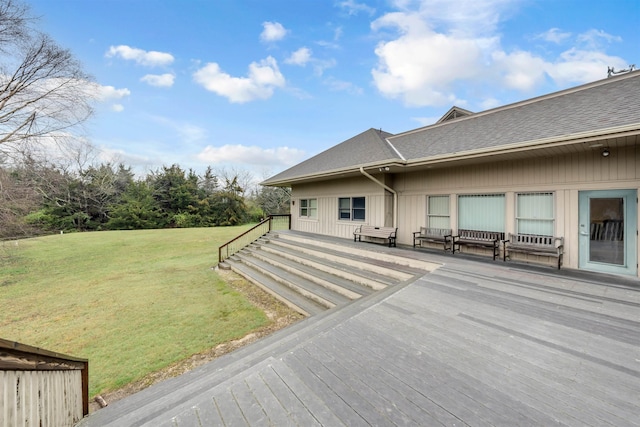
(469, 344)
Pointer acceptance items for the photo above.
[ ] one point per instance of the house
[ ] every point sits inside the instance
(566, 164)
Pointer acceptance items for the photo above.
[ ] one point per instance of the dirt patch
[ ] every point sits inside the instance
(280, 316)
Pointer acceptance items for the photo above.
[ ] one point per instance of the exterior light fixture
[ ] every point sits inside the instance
(384, 169)
(605, 152)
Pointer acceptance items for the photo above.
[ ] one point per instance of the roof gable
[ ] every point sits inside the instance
(454, 113)
(369, 147)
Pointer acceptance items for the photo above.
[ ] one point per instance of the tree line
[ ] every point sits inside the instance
(37, 197)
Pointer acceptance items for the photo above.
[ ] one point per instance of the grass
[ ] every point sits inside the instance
(132, 302)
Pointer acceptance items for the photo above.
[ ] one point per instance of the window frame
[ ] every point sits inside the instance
(354, 212)
(519, 217)
(436, 216)
(307, 206)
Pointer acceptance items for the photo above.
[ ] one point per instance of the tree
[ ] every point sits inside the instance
(43, 89)
(17, 200)
(274, 200)
(228, 205)
(137, 209)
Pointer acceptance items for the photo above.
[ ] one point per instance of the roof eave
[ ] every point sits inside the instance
(582, 137)
(336, 173)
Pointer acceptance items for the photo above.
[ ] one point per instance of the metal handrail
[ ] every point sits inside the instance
(274, 222)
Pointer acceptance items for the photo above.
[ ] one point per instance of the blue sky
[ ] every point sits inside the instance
(260, 85)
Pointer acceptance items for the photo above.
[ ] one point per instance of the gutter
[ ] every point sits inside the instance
(390, 190)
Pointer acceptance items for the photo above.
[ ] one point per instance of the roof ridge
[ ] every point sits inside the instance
(563, 92)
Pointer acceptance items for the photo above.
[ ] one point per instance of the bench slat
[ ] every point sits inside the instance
(387, 233)
(433, 235)
(535, 245)
(487, 239)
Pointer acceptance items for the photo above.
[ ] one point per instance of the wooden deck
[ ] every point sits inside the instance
(472, 344)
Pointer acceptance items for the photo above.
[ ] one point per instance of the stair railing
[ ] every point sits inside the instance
(273, 223)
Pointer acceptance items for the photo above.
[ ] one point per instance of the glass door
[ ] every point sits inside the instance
(608, 223)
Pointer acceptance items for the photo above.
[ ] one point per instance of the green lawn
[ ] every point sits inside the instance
(132, 302)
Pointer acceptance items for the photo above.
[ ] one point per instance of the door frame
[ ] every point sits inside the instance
(630, 266)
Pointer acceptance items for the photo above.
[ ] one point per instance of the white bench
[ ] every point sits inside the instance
(386, 233)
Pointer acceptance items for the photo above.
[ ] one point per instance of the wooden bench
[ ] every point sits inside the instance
(433, 235)
(534, 245)
(386, 233)
(486, 239)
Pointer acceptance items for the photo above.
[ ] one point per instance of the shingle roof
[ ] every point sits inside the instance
(597, 106)
(369, 147)
(594, 107)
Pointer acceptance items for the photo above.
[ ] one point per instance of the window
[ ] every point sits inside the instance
(309, 208)
(483, 212)
(438, 212)
(534, 213)
(351, 208)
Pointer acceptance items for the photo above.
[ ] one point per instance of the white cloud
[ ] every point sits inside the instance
(352, 7)
(142, 57)
(430, 46)
(303, 56)
(596, 39)
(576, 66)
(251, 155)
(300, 57)
(521, 70)
(272, 32)
(554, 35)
(161, 80)
(108, 95)
(419, 65)
(263, 78)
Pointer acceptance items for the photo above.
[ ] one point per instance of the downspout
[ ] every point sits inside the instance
(390, 190)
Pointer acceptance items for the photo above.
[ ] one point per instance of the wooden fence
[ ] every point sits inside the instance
(41, 388)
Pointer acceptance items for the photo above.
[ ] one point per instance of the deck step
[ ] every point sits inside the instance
(320, 294)
(348, 288)
(366, 250)
(312, 275)
(286, 295)
(362, 275)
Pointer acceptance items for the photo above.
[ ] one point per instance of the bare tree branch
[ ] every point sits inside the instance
(43, 89)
